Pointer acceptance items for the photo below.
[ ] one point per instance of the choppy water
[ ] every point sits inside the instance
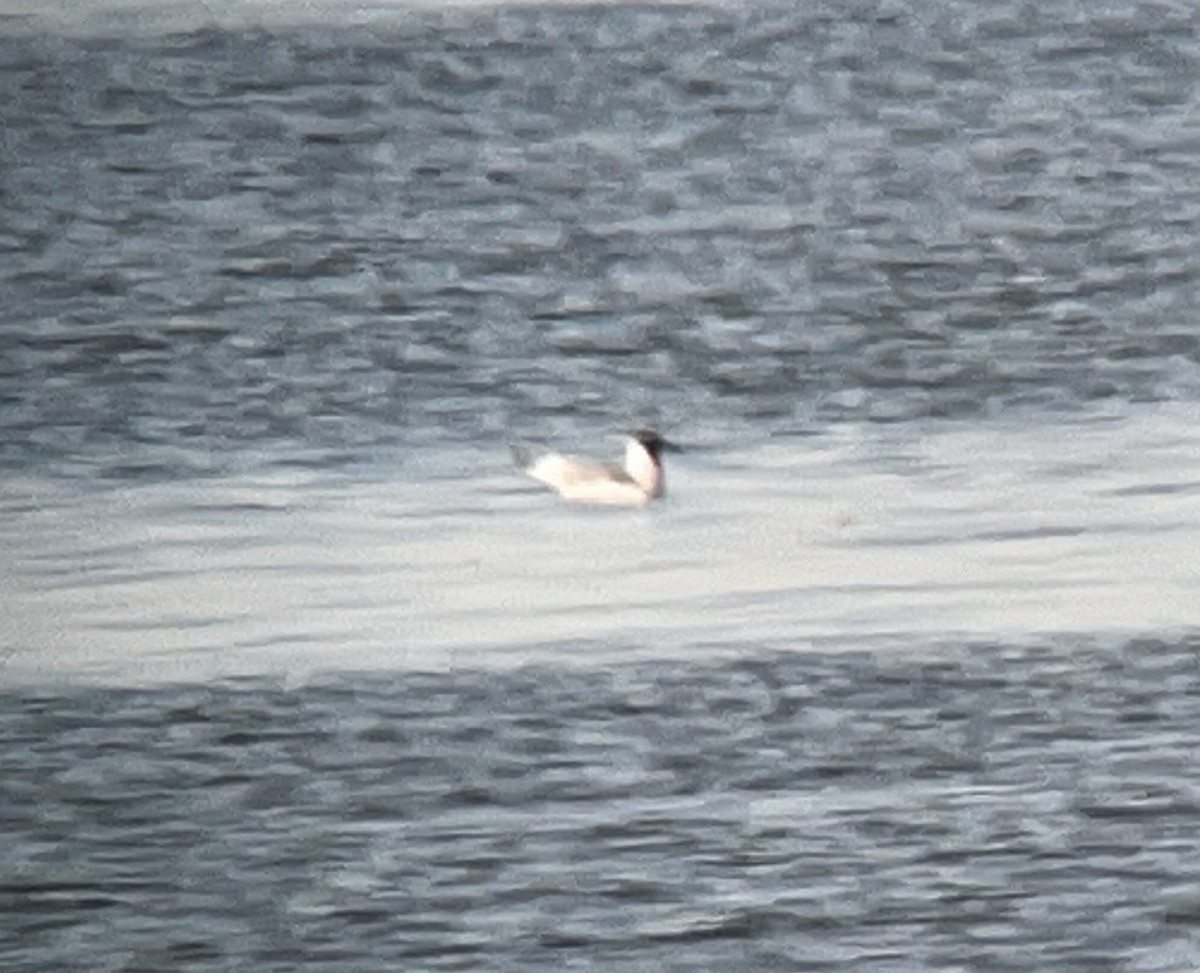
(978, 809)
(296, 671)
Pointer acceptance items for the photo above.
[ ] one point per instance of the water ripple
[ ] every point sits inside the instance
(447, 226)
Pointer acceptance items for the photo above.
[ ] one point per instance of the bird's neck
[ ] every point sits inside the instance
(643, 468)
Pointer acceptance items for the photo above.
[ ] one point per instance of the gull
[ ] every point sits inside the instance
(637, 481)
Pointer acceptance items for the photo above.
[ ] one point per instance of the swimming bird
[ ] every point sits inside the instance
(639, 480)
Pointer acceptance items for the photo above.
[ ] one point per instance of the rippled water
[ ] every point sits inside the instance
(978, 809)
(311, 241)
(298, 672)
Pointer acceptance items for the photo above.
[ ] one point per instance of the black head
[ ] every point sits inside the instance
(655, 443)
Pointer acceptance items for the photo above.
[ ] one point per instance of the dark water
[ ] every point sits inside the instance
(295, 672)
(317, 240)
(974, 809)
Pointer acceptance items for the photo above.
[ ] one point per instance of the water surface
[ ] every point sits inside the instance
(297, 672)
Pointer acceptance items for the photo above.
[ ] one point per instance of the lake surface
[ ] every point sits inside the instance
(296, 671)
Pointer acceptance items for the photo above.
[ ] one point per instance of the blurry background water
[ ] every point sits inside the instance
(297, 671)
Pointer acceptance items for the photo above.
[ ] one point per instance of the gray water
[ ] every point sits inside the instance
(979, 808)
(297, 672)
